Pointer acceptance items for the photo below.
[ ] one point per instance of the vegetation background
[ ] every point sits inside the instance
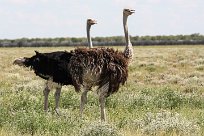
(193, 39)
(164, 95)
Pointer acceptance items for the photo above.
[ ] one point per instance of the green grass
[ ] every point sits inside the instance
(163, 96)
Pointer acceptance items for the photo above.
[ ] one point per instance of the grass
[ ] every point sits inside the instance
(163, 96)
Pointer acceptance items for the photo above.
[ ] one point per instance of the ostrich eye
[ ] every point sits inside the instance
(37, 60)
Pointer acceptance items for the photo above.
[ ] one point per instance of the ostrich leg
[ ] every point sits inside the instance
(57, 98)
(102, 99)
(46, 93)
(83, 101)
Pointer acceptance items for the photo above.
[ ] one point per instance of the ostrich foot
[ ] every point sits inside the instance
(57, 111)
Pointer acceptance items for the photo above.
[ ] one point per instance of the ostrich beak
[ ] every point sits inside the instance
(132, 11)
(19, 61)
(94, 22)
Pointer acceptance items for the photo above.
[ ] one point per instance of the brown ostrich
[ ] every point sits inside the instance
(102, 67)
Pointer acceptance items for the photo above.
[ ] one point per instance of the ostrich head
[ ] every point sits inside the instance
(39, 63)
(20, 61)
(91, 22)
(33, 62)
(128, 12)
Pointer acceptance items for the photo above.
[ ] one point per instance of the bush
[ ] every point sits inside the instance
(4, 116)
(168, 99)
(99, 129)
(166, 122)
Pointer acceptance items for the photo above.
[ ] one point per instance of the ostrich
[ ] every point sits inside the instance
(102, 67)
(52, 67)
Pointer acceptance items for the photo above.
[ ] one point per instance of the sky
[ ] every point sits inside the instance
(67, 18)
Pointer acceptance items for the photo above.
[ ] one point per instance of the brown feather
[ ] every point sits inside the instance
(97, 67)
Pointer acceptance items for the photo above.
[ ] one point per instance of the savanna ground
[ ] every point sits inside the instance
(164, 95)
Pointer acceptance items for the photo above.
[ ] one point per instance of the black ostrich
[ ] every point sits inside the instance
(51, 67)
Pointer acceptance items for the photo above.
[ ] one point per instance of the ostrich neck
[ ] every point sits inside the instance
(128, 52)
(127, 38)
(88, 27)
